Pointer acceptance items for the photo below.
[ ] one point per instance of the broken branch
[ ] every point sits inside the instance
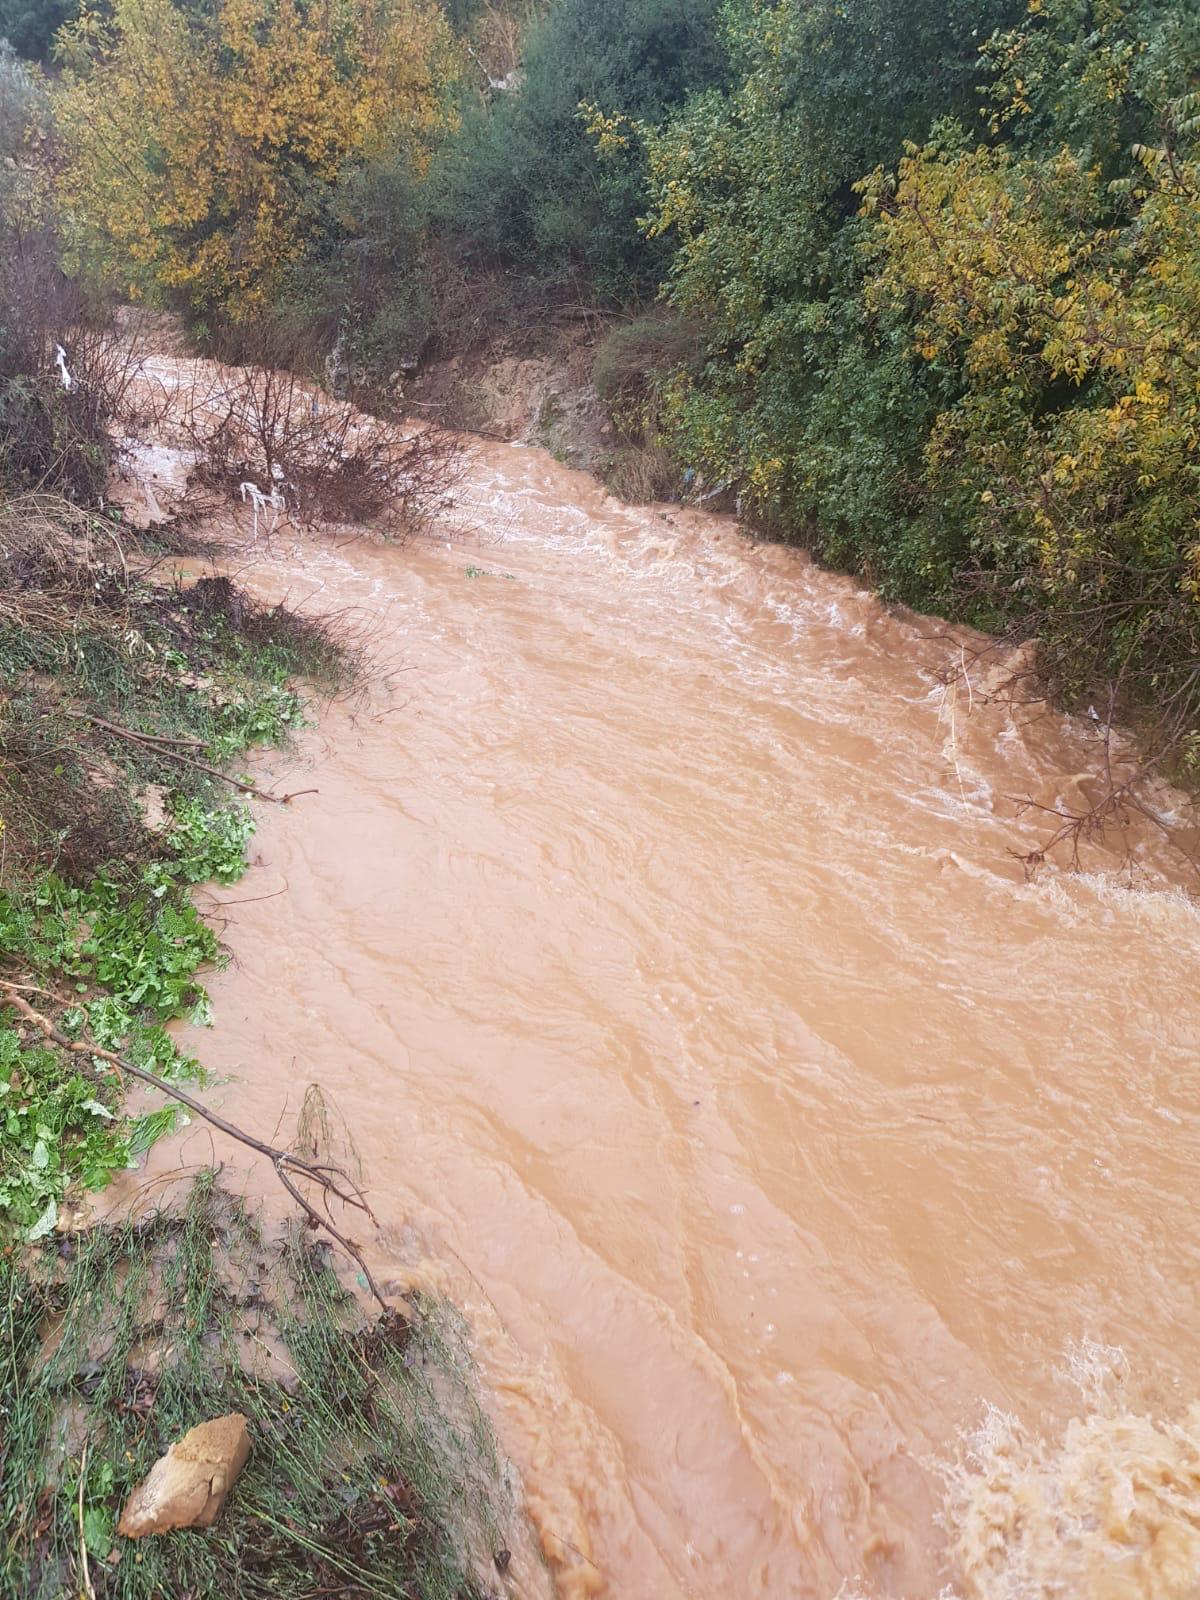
(285, 1162)
(161, 747)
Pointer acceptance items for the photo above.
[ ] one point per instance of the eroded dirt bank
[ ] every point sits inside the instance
(655, 931)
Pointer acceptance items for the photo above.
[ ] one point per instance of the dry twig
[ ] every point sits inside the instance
(333, 1181)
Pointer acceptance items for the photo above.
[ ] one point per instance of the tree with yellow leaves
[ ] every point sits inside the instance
(203, 139)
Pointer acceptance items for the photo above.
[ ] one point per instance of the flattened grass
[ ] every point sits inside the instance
(373, 1473)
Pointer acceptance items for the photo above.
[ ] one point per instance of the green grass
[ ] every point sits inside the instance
(95, 906)
(372, 1471)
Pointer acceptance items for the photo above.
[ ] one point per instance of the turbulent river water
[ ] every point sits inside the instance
(820, 1192)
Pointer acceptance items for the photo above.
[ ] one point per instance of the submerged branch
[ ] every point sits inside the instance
(332, 1180)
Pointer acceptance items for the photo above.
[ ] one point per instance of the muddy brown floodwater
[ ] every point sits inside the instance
(821, 1194)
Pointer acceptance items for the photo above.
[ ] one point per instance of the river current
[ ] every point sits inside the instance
(819, 1188)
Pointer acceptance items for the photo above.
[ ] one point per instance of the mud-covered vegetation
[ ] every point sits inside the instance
(371, 1471)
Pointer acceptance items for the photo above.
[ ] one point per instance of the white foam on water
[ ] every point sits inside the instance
(1166, 910)
(1105, 1508)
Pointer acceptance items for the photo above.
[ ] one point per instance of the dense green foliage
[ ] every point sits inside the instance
(521, 186)
(517, 211)
(948, 269)
(30, 25)
(808, 401)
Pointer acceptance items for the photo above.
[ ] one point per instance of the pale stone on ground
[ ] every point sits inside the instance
(186, 1488)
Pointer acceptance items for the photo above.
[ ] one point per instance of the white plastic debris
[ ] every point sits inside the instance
(261, 503)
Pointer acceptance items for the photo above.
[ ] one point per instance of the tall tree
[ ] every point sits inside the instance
(522, 186)
(30, 25)
(204, 138)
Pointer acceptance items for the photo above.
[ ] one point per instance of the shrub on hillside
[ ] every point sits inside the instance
(63, 381)
(971, 376)
(520, 185)
(635, 354)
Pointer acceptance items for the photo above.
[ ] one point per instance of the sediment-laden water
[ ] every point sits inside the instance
(821, 1192)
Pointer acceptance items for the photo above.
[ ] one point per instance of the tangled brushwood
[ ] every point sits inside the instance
(265, 433)
(372, 1472)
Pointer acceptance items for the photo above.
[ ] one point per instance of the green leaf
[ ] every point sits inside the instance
(98, 1531)
(44, 1224)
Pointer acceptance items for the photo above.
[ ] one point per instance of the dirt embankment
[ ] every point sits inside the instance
(541, 396)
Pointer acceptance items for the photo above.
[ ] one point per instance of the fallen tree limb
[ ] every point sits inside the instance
(332, 1180)
(132, 733)
(161, 747)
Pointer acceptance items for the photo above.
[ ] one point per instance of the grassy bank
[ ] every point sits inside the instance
(124, 696)
(372, 1470)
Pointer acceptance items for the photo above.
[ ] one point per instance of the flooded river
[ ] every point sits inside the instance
(820, 1192)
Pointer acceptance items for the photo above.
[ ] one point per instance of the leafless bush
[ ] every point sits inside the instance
(1136, 754)
(497, 37)
(68, 384)
(322, 460)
